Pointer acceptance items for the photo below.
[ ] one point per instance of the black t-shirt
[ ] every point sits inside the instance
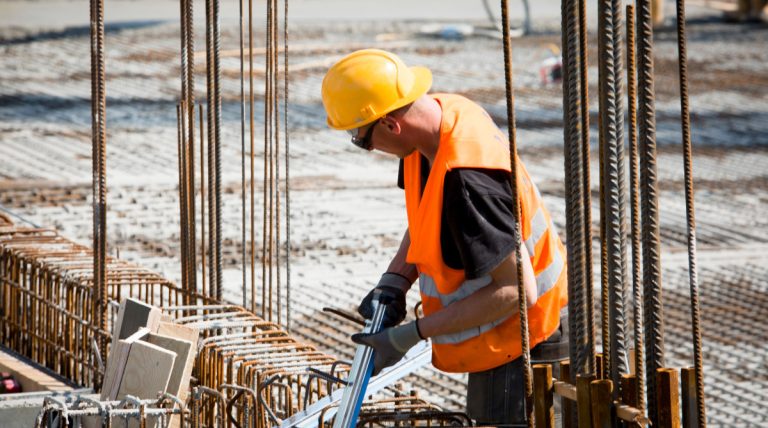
(477, 227)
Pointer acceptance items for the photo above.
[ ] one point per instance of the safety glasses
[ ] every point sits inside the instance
(364, 143)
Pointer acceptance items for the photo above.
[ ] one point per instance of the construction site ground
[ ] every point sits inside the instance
(346, 213)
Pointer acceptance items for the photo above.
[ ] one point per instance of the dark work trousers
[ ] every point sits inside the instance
(495, 396)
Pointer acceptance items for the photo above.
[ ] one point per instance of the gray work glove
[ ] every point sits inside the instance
(393, 287)
(390, 344)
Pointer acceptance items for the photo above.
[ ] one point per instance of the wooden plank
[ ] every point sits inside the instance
(668, 398)
(542, 396)
(567, 406)
(690, 405)
(147, 371)
(601, 395)
(30, 377)
(584, 399)
(133, 315)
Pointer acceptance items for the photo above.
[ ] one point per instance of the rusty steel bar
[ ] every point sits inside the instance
(510, 98)
(287, 173)
(587, 189)
(183, 223)
(189, 248)
(580, 342)
(202, 200)
(266, 178)
(210, 98)
(99, 141)
(637, 291)
(276, 158)
(42, 272)
(251, 134)
(613, 158)
(649, 199)
(242, 151)
(191, 145)
(690, 214)
(217, 146)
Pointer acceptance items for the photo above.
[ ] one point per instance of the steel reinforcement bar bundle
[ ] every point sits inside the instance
(248, 371)
(47, 298)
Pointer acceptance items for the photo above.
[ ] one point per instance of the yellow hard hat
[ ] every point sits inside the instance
(367, 84)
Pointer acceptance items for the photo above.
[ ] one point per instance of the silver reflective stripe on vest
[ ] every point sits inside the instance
(547, 278)
(428, 287)
(452, 339)
(538, 229)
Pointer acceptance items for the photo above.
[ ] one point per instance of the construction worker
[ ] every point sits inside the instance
(461, 239)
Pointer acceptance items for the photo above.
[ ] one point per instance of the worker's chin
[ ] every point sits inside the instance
(403, 155)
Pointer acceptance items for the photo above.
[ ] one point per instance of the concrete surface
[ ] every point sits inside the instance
(346, 214)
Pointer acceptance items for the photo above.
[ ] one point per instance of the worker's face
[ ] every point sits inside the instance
(386, 136)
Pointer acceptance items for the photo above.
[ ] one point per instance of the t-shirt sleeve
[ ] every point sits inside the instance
(478, 213)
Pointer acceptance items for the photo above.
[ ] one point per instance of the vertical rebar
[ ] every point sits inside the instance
(652, 307)
(211, 152)
(187, 180)
(99, 141)
(637, 291)
(182, 194)
(276, 160)
(287, 174)
(251, 134)
(587, 190)
(242, 149)
(579, 340)
(613, 157)
(217, 145)
(202, 199)
(525, 345)
(190, 101)
(267, 139)
(690, 214)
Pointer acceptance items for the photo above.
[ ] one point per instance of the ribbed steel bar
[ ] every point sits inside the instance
(637, 291)
(276, 161)
(182, 146)
(251, 134)
(242, 154)
(217, 146)
(604, 324)
(182, 193)
(587, 191)
(210, 98)
(265, 193)
(579, 345)
(510, 97)
(187, 178)
(690, 213)
(652, 290)
(190, 101)
(202, 199)
(613, 157)
(287, 172)
(99, 141)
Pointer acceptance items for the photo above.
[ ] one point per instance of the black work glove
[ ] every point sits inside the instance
(390, 344)
(393, 287)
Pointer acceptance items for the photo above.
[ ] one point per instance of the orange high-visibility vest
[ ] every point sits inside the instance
(470, 139)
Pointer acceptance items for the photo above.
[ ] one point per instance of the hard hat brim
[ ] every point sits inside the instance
(421, 83)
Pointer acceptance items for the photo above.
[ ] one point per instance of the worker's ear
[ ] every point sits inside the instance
(391, 124)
